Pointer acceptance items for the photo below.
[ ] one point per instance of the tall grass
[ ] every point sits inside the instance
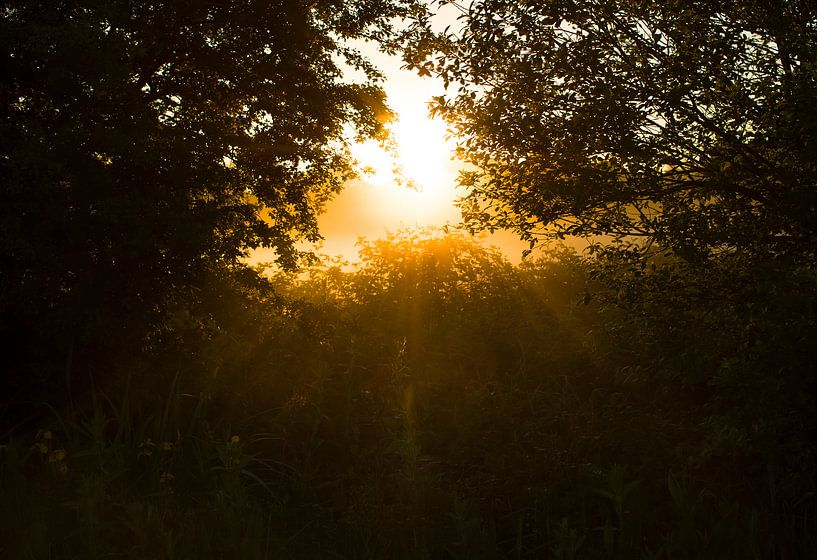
(474, 411)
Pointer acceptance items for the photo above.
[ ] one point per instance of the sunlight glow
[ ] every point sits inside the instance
(416, 177)
(411, 185)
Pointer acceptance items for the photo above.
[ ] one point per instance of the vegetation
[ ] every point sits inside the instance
(439, 402)
(684, 124)
(653, 398)
(146, 145)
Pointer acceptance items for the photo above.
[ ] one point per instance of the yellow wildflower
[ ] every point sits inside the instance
(234, 440)
(146, 447)
(57, 456)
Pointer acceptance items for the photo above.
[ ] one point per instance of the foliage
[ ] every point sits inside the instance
(683, 124)
(438, 402)
(655, 398)
(148, 145)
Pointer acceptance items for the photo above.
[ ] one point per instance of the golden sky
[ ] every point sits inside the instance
(376, 203)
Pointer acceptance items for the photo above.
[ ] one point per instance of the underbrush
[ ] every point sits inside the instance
(439, 405)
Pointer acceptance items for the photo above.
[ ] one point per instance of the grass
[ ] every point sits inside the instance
(487, 424)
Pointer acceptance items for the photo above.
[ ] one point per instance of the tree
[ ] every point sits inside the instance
(685, 124)
(144, 143)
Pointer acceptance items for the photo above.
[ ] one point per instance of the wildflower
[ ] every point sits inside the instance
(146, 447)
(56, 456)
(166, 477)
(44, 438)
(234, 440)
(296, 401)
(166, 446)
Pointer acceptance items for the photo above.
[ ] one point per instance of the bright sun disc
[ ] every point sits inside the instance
(419, 176)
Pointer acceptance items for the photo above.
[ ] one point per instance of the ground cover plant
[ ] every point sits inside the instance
(439, 402)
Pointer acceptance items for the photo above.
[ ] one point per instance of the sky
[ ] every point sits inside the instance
(375, 204)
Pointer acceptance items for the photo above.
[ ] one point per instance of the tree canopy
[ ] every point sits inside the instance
(143, 143)
(687, 124)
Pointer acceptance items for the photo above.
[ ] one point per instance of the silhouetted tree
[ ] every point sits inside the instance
(683, 130)
(683, 123)
(143, 143)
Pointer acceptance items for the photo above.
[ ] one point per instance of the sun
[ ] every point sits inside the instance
(417, 174)
(410, 185)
